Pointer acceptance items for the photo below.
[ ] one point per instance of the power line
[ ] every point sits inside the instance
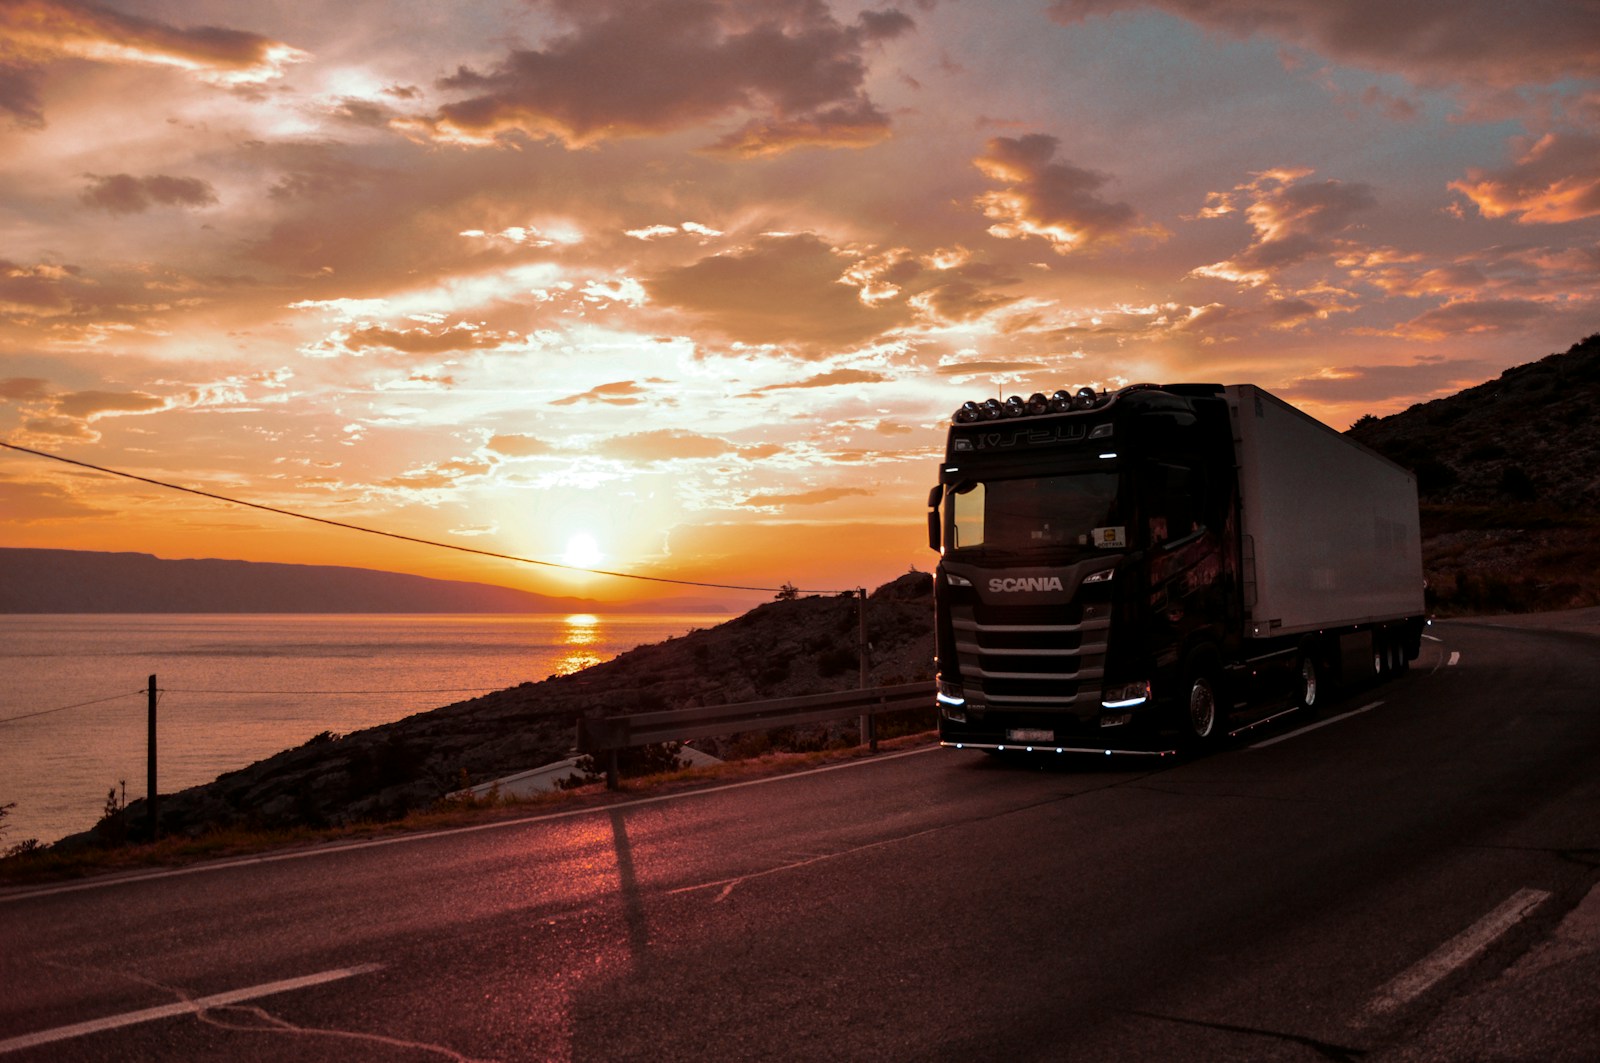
(424, 690)
(64, 708)
(393, 535)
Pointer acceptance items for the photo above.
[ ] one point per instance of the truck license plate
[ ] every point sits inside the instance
(1030, 734)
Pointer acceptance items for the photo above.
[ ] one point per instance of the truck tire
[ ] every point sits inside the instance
(1308, 681)
(1380, 656)
(1202, 705)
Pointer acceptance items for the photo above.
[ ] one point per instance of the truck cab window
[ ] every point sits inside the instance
(1035, 515)
(966, 515)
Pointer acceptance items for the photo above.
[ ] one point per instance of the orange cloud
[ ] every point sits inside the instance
(773, 500)
(41, 287)
(517, 445)
(458, 337)
(1466, 316)
(126, 194)
(1055, 201)
(35, 33)
(830, 379)
(89, 405)
(27, 502)
(1555, 179)
(666, 444)
(780, 290)
(636, 69)
(22, 388)
(1292, 221)
(617, 393)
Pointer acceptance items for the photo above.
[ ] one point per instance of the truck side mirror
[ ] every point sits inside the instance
(934, 498)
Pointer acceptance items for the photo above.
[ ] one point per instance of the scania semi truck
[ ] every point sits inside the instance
(1156, 567)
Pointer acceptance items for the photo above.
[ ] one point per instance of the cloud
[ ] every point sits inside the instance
(458, 337)
(618, 393)
(60, 428)
(983, 367)
(1055, 201)
(91, 405)
(666, 444)
(36, 288)
(517, 445)
(125, 194)
(827, 380)
(1423, 379)
(37, 33)
(25, 502)
(22, 388)
(1554, 179)
(780, 290)
(1467, 316)
(1292, 222)
(1432, 42)
(651, 67)
(774, 500)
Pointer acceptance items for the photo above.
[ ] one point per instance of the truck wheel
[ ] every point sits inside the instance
(1202, 708)
(1380, 657)
(1308, 682)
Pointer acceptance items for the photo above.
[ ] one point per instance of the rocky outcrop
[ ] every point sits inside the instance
(780, 649)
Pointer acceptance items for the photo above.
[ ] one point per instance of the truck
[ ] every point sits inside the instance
(1152, 569)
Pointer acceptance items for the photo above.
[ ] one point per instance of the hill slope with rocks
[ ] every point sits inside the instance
(780, 649)
(1508, 474)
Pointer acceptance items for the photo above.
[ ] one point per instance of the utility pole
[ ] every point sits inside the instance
(151, 797)
(869, 723)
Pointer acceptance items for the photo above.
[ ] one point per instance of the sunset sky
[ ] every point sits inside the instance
(689, 288)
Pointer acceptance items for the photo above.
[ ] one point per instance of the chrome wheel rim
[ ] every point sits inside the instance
(1202, 709)
(1308, 678)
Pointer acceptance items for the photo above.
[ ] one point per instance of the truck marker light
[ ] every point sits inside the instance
(1108, 456)
(1103, 576)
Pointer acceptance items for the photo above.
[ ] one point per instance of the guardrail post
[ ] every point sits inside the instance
(613, 776)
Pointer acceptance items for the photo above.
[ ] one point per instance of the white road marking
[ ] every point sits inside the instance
(1313, 726)
(1456, 952)
(1455, 658)
(402, 839)
(1433, 638)
(186, 1007)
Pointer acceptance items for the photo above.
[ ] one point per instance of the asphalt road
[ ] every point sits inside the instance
(1336, 893)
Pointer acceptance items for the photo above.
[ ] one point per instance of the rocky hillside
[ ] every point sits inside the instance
(783, 648)
(1509, 478)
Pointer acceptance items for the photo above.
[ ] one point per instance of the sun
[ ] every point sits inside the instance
(582, 551)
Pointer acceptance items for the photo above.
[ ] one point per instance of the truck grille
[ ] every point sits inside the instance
(1031, 657)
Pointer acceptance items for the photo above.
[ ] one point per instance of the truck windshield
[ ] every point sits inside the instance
(1069, 513)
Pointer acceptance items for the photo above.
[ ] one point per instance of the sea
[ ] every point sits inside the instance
(233, 689)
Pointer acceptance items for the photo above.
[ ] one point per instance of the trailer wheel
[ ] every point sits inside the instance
(1308, 681)
(1380, 656)
(1202, 708)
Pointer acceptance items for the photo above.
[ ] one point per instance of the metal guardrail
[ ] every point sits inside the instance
(612, 733)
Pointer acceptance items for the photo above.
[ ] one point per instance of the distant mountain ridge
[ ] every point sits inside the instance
(90, 581)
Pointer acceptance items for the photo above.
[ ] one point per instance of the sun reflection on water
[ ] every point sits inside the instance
(582, 633)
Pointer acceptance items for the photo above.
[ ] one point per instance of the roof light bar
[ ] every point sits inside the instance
(1035, 405)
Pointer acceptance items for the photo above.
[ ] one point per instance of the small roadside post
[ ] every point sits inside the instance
(152, 798)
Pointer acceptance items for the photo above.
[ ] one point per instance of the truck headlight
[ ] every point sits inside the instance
(952, 701)
(1126, 695)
